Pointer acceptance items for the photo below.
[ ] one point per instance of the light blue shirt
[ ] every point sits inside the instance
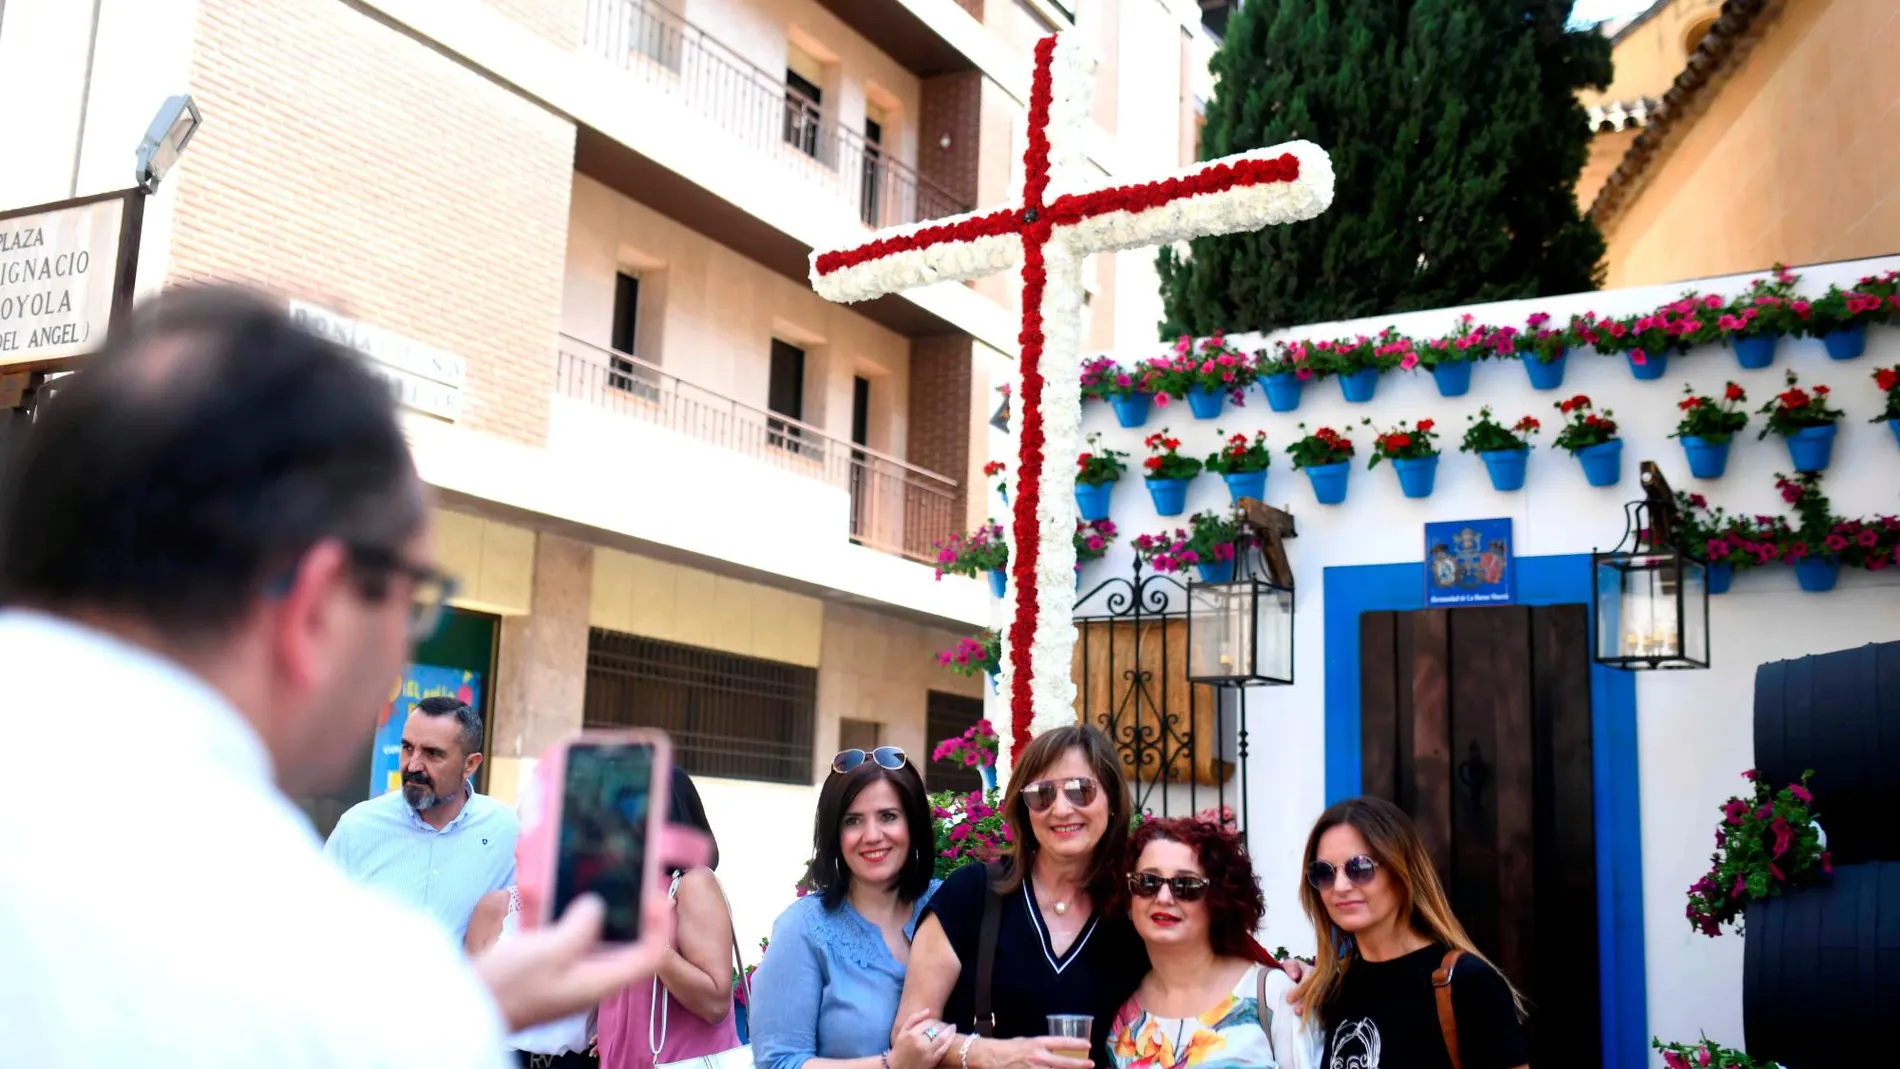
(827, 987)
(385, 845)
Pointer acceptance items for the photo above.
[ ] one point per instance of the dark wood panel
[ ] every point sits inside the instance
(1485, 673)
(1379, 706)
(1432, 762)
(1564, 984)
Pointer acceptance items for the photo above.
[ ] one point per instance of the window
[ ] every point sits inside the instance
(864, 735)
(802, 112)
(785, 394)
(861, 489)
(622, 373)
(947, 716)
(729, 716)
(870, 196)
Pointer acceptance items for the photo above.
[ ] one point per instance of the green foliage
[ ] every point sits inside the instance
(1456, 139)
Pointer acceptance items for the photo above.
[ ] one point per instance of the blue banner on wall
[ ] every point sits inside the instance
(1469, 562)
(418, 681)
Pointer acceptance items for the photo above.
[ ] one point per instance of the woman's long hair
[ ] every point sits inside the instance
(1395, 844)
(1106, 868)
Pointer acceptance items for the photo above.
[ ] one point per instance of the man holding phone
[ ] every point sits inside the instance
(214, 559)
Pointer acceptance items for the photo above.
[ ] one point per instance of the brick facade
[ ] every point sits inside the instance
(344, 163)
(560, 21)
(941, 371)
(951, 105)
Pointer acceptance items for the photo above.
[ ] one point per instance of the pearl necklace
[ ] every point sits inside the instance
(1061, 907)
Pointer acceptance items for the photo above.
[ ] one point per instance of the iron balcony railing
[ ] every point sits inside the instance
(662, 49)
(895, 507)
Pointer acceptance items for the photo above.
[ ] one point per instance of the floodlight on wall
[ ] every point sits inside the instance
(165, 140)
(1650, 599)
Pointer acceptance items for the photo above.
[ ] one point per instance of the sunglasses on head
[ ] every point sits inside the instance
(890, 757)
(1079, 790)
(1148, 885)
(1359, 870)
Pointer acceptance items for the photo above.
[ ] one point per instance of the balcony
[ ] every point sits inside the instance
(672, 56)
(893, 507)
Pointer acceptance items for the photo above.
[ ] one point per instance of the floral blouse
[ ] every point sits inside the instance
(1228, 1035)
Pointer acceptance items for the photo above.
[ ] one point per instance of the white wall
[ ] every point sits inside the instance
(1695, 728)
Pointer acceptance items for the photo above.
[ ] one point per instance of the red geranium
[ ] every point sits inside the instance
(1324, 446)
(1796, 409)
(1585, 428)
(1403, 443)
(1165, 460)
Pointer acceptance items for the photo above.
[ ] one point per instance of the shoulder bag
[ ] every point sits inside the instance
(1447, 1016)
(739, 1057)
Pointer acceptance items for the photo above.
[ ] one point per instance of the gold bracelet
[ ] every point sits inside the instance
(963, 1054)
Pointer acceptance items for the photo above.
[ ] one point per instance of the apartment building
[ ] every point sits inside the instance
(681, 489)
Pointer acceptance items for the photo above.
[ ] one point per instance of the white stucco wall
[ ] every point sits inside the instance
(1695, 728)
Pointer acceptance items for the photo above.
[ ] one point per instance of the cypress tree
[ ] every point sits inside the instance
(1456, 141)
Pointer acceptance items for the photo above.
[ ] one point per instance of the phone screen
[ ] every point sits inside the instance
(604, 832)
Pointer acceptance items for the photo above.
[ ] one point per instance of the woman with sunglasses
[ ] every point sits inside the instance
(1214, 998)
(1057, 947)
(1396, 971)
(825, 996)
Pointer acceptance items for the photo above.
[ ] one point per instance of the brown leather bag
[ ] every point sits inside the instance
(985, 1023)
(1447, 1016)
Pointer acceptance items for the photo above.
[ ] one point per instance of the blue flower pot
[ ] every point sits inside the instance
(1221, 571)
(1845, 344)
(1206, 402)
(1545, 376)
(1131, 411)
(1654, 366)
(1720, 576)
(1093, 501)
(1817, 574)
(1247, 484)
(988, 772)
(741, 1021)
(1453, 378)
(1756, 351)
(1707, 460)
(1329, 481)
(1812, 447)
(1283, 391)
(1416, 475)
(1602, 464)
(1506, 467)
(1170, 496)
(999, 582)
(995, 678)
(1359, 386)
(1894, 426)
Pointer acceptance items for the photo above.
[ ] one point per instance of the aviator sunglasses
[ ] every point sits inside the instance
(1359, 871)
(1079, 790)
(888, 757)
(1148, 885)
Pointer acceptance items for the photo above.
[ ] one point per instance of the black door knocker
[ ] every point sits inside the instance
(1475, 775)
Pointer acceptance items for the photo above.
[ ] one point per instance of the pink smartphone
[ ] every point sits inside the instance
(596, 822)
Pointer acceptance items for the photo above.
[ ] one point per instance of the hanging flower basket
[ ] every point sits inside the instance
(1805, 421)
(999, 583)
(1756, 351)
(1708, 426)
(1646, 366)
(1168, 473)
(1283, 391)
(1453, 377)
(1097, 472)
(1413, 453)
(1592, 440)
(1887, 379)
(1543, 351)
(1325, 456)
(1242, 464)
(1131, 410)
(1129, 393)
(1506, 451)
(1753, 322)
(1817, 574)
(1284, 374)
(1210, 543)
(1206, 402)
(1721, 577)
(975, 553)
(1207, 376)
(1359, 386)
(1217, 572)
(1846, 344)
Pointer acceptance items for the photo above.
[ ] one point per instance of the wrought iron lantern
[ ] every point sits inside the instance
(1240, 632)
(1650, 599)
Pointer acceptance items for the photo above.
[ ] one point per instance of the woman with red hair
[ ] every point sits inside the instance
(1213, 998)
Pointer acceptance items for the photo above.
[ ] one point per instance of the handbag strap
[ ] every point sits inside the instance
(1260, 1006)
(1447, 1017)
(659, 1006)
(985, 1023)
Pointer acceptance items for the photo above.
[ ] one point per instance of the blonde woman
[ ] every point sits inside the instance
(1392, 957)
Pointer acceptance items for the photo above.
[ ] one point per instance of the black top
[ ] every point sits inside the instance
(1100, 971)
(1387, 1015)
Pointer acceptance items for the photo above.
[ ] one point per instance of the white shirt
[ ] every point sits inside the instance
(162, 904)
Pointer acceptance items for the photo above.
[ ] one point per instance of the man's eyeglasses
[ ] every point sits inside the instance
(1148, 885)
(1359, 871)
(431, 589)
(1079, 790)
(890, 757)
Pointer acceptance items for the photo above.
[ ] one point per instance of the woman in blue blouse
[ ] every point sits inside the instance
(825, 994)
